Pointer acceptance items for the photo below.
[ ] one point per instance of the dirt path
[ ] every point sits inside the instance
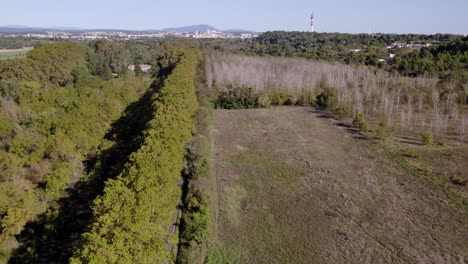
(296, 188)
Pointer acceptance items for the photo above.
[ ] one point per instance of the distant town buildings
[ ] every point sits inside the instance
(399, 45)
(93, 35)
(144, 67)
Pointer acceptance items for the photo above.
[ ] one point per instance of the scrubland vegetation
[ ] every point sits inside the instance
(92, 154)
(404, 103)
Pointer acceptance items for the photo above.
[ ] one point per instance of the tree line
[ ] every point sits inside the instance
(133, 216)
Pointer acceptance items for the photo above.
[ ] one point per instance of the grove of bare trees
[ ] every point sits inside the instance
(404, 103)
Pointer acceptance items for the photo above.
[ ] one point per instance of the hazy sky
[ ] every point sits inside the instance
(389, 16)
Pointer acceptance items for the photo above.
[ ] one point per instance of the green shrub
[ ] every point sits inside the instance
(339, 112)
(327, 100)
(291, 100)
(279, 97)
(196, 218)
(307, 98)
(360, 123)
(458, 180)
(236, 96)
(382, 131)
(427, 138)
(264, 101)
(410, 153)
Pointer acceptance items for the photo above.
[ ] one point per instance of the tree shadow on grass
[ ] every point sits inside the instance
(409, 140)
(54, 236)
(347, 127)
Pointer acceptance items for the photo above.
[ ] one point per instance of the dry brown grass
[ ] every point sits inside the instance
(296, 188)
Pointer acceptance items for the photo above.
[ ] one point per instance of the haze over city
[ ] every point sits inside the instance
(360, 16)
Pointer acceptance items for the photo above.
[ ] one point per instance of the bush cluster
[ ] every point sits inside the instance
(236, 96)
(427, 138)
(382, 131)
(410, 153)
(360, 123)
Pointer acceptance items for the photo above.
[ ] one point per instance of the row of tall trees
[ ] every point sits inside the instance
(133, 216)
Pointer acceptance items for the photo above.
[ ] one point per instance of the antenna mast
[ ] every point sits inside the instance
(312, 22)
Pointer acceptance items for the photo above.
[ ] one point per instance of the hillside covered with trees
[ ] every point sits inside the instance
(56, 109)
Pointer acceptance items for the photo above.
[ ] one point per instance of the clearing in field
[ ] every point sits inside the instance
(6, 54)
(295, 187)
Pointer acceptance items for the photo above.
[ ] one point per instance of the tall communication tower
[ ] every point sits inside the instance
(312, 22)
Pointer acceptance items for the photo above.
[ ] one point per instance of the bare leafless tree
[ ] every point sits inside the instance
(376, 94)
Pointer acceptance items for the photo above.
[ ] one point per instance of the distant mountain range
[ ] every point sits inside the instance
(193, 28)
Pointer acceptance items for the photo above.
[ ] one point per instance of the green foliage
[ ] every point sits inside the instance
(427, 138)
(6, 127)
(52, 63)
(53, 113)
(278, 97)
(133, 216)
(439, 60)
(410, 153)
(196, 219)
(327, 100)
(458, 180)
(360, 123)
(56, 181)
(80, 75)
(18, 204)
(382, 131)
(236, 96)
(307, 98)
(200, 197)
(264, 101)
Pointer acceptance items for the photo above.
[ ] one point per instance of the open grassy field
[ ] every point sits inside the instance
(13, 53)
(297, 187)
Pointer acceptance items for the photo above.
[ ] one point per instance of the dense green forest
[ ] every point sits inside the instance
(55, 113)
(133, 216)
